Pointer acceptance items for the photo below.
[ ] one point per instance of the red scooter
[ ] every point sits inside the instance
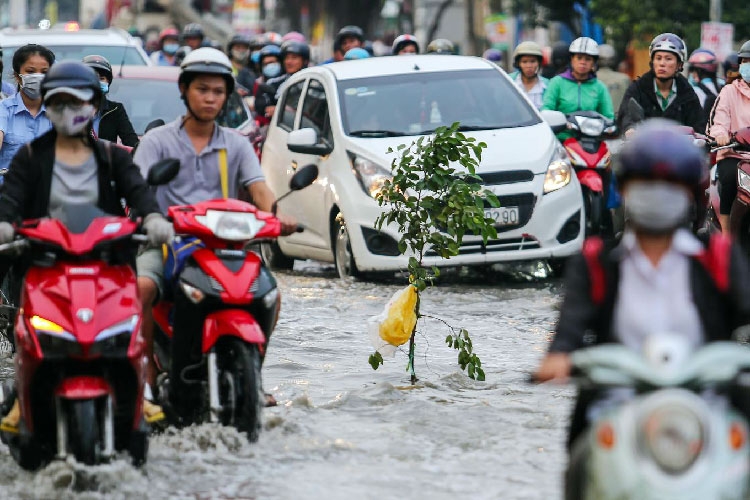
(221, 308)
(80, 355)
(591, 159)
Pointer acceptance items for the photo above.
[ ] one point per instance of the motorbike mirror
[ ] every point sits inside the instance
(555, 119)
(303, 177)
(635, 111)
(154, 124)
(163, 171)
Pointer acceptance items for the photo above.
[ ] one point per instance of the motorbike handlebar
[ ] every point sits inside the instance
(728, 146)
(142, 238)
(300, 228)
(14, 246)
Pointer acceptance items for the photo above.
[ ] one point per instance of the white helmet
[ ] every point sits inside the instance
(207, 61)
(584, 45)
(669, 42)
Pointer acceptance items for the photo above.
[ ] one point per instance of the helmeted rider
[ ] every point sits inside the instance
(441, 46)
(702, 67)
(169, 42)
(527, 59)
(405, 45)
(270, 64)
(356, 53)
(663, 92)
(731, 67)
(655, 280)
(578, 89)
(617, 83)
(197, 140)
(193, 36)
(111, 119)
(730, 113)
(238, 50)
(295, 56)
(493, 55)
(559, 59)
(67, 166)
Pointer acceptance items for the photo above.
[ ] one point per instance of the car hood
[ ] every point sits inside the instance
(521, 148)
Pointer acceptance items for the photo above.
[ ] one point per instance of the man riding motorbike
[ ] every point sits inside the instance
(659, 278)
(204, 149)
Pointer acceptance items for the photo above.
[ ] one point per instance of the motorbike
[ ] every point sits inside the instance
(222, 304)
(591, 159)
(79, 363)
(675, 435)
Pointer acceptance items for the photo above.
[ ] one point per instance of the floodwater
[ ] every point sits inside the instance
(344, 431)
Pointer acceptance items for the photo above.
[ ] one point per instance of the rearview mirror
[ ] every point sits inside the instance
(305, 141)
(303, 177)
(154, 124)
(555, 119)
(163, 171)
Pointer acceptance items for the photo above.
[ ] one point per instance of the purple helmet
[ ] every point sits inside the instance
(493, 55)
(295, 36)
(703, 59)
(661, 150)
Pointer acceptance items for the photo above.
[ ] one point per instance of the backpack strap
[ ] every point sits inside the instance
(716, 259)
(223, 173)
(592, 252)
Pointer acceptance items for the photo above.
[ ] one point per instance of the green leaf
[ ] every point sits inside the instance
(375, 360)
(480, 374)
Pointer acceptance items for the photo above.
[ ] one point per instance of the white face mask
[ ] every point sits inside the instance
(31, 85)
(657, 207)
(70, 119)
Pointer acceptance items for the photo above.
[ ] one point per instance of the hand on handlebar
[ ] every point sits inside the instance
(288, 225)
(7, 232)
(722, 139)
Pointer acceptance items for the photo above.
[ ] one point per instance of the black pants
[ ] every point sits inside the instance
(727, 170)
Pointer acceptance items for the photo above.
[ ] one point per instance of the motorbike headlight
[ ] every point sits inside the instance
(371, 176)
(115, 340)
(270, 298)
(592, 127)
(54, 340)
(673, 436)
(559, 172)
(233, 226)
(194, 294)
(743, 180)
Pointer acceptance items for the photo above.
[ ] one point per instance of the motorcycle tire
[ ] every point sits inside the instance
(593, 204)
(575, 475)
(84, 438)
(242, 398)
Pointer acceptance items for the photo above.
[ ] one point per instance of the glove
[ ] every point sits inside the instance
(7, 231)
(158, 229)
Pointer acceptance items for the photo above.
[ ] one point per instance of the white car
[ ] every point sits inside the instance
(343, 117)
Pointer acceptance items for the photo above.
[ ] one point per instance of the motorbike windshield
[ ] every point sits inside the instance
(418, 103)
(77, 218)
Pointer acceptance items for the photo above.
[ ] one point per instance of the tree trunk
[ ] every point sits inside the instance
(435, 25)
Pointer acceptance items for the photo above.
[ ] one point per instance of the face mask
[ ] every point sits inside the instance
(105, 87)
(272, 70)
(30, 85)
(745, 71)
(171, 48)
(70, 120)
(240, 55)
(656, 207)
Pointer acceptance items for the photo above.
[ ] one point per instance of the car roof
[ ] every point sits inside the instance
(10, 37)
(128, 72)
(397, 65)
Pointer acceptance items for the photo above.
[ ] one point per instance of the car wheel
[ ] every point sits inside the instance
(274, 257)
(345, 265)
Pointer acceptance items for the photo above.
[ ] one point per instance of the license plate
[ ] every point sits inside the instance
(503, 216)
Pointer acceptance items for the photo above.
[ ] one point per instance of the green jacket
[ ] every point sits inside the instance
(565, 94)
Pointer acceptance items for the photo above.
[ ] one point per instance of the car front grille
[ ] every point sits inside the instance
(496, 245)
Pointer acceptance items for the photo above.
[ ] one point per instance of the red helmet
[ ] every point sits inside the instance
(703, 59)
(168, 33)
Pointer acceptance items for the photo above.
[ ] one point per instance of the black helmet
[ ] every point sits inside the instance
(100, 65)
(193, 30)
(237, 39)
(72, 74)
(181, 54)
(269, 50)
(560, 54)
(206, 61)
(731, 63)
(441, 46)
(295, 47)
(744, 50)
(349, 31)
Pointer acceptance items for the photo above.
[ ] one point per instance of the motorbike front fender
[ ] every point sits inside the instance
(235, 322)
(591, 179)
(83, 387)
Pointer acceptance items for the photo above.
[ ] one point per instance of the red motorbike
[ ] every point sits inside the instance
(222, 305)
(591, 160)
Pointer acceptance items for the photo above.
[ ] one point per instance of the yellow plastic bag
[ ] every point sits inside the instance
(393, 326)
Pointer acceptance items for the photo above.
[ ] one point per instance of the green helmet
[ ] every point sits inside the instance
(441, 46)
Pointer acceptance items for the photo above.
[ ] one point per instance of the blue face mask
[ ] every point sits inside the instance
(745, 71)
(105, 87)
(272, 70)
(171, 48)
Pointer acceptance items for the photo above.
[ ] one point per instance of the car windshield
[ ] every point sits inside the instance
(116, 55)
(417, 103)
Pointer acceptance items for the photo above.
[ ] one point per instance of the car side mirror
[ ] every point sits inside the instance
(163, 171)
(305, 141)
(555, 119)
(303, 177)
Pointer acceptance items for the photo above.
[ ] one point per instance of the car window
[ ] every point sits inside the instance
(235, 113)
(289, 108)
(116, 55)
(416, 104)
(315, 112)
(146, 100)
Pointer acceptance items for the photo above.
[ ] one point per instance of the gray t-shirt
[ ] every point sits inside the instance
(199, 178)
(73, 185)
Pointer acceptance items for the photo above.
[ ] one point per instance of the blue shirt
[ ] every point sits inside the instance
(7, 88)
(19, 127)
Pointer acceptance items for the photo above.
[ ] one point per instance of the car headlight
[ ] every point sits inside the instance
(559, 172)
(115, 339)
(743, 180)
(371, 176)
(673, 436)
(232, 226)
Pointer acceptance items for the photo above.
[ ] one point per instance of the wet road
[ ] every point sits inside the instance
(344, 431)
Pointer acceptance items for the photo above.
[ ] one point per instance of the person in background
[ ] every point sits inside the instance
(23, 117)
(350, 37)
(270, 63)
(405, 45)
(493, 55)
(441, 46)
(238, 50)
(558, 62)
(295, 36)
(527, 59)
(295, 56)
(111, 120)
(731, 68)
(356, 53)
(169, 42)
(6, 88)
(192, 36)
(702, 68)
(617, 83)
